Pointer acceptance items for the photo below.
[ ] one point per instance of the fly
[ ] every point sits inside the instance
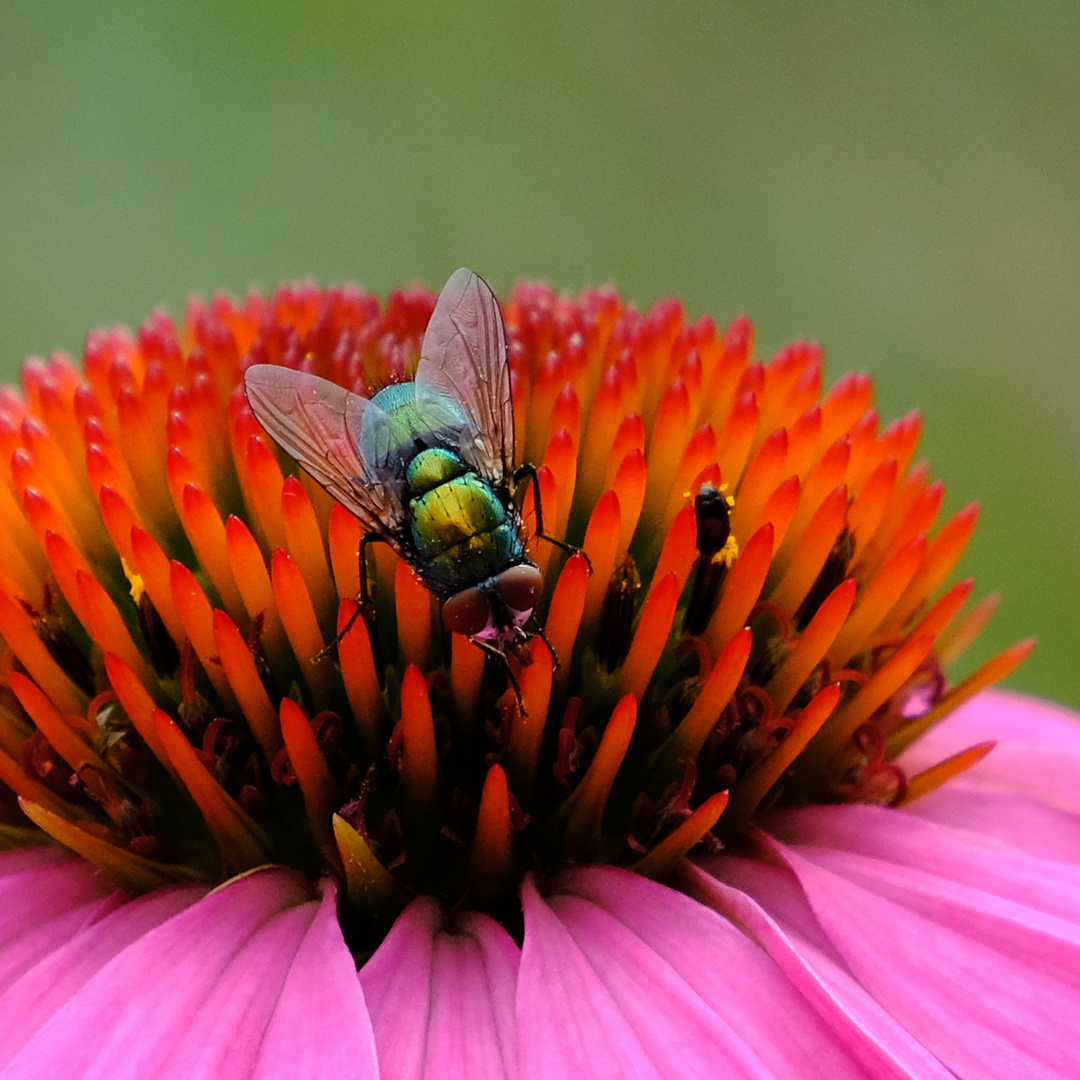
(428, 466)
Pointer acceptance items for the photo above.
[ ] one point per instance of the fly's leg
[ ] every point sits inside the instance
(528, 472)
(364, 609)
(538, 630)
(490, 649)
(364, 600)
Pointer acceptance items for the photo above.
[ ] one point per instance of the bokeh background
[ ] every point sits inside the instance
(899, 182)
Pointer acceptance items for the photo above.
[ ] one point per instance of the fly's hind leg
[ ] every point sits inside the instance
(528, 472)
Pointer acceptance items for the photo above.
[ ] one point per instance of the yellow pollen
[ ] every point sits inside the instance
(728, 553)
(134, 580)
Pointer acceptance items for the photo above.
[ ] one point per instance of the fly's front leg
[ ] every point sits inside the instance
(500, 656)
(538, 630)
(365, 584)
(528, 472)
(364, 609)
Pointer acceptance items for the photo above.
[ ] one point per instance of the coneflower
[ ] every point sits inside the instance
(718, 818)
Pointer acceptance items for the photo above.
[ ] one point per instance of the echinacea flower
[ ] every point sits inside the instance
(738, 818)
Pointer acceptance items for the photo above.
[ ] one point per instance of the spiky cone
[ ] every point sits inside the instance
(764, 626)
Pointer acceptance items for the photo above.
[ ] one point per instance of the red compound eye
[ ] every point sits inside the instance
(519, 587)
(466, 612)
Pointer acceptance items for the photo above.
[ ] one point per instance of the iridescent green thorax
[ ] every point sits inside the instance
(413, 425)
(430, 468)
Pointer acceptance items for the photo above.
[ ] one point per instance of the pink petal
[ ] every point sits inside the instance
(200, 994)
(442, 998)
(872, 1036)
(622, 977)
(1007, 717)
(1026, 793)
(320, 1025)
(953, 953)
(1037, 753)
(906, 841)
(1017, 821)
(30, 1001)
(46, 897)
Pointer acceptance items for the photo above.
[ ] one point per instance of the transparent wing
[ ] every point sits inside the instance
(464, 358)
(320, 424)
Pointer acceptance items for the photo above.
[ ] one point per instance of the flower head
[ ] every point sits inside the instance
(753, 636)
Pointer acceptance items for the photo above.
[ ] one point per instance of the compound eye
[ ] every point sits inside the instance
(519, 587)
(467, 612)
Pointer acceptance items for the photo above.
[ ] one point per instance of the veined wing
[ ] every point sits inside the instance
(319, 423)
(464, 358)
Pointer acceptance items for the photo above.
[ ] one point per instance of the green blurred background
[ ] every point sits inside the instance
(900, 182)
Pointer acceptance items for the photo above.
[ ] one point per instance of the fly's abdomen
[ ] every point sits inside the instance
(461, 531)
